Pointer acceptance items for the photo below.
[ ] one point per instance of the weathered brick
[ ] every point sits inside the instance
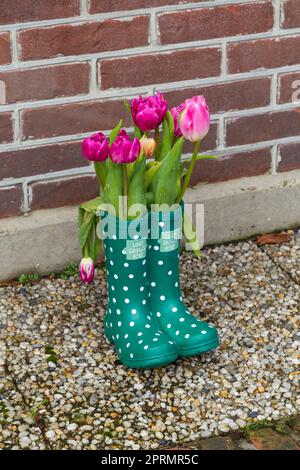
(5, 52)
(218, 443)
(289, 87)
(65, 192)
(267, 439)
(231, 96)
(10, 201)
(291, 14)
(46, 83)
(290, 158)
(207, 23)
(6, 127)
(105, 6)
(73, 118)
(238, 165)
(161, 68)
(32, 10)
(39, 160)
(84, 38)
(263, 127)
(263, 53)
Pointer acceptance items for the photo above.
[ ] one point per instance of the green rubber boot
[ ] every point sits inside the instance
(191, 335)
(129, 323)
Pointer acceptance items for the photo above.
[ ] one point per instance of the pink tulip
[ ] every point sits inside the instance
(122, 150)
(87, 270)
(95, 148)
(195, 119)
(176, 111)
(149, 112)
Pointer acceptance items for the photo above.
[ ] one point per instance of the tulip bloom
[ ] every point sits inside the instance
(87, 270)
(176, 111)
(195, 119)
(122, 150)
(148, 146)
(95, 148)
(149, 112)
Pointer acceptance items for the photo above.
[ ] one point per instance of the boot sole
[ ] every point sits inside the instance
(203, 348)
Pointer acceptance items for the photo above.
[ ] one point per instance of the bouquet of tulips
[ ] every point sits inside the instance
(142, 179)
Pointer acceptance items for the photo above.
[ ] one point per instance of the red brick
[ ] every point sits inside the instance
(6, 127)
(5, 52)
(223, 97)
(39, 160)
(84, 38)
(291, 14)
(289, 87)
(106, 6)
(239, 165)
(160, 68)
(208, 23)
(290, 157)
(263, 53)
(46, 83)
(67, 192)
(10, 201)
(18, 11)
(73, 118)
(267, 439)
(263, 127)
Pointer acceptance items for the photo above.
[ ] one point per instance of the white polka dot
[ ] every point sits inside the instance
(157, 334)
(114, 300)
(147, 326)
(162, 297)
(148, 317)
(170, 273)
(144, 302)
(176, 284)
(110, 324)
(149, 247)
(156, 247)
(118, 311)
(133, 311)
(146, 346)
(119, 323)
(193, 325)
(136, 237)
(112, 287)
(144, 274)
(131, 276)
(110, 249)
(171, 342)
(125, 288)
(111, 263)
(153, 284)
(169, 325)
(123, 252)
(126, 265)
(128, 345)
(210, 326)
(142, 288)
(120, 350)
(109, 310)
(140, 341)
(158, 314)
(144, 262)
(114, 237)
(131, 323)
(117, 336)
(187, 336)
(126, 336)
(161, 224)
(131, 355)
(174, 309)
(126, 301)
(177, 332)
(116, 276)
(203, 332)
(155, 339)
(180, 298)
(181, 319)
(140, 333)
(160, 263)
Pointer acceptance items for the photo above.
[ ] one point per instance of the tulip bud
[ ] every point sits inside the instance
(149, 112)
(148, 146)
(195, 119)
(122, 150)
(176, 111)
(95, 148)
(87, 270)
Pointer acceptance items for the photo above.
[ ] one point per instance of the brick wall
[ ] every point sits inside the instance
(67, 66)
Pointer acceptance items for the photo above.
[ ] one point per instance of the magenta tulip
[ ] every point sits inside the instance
(149, 112)
(87, 270)
(195, 119)
(123, 150)
(176, 111)
(95, 148)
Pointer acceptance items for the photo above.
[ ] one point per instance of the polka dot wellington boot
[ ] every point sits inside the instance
(129, 323)
(191, 335)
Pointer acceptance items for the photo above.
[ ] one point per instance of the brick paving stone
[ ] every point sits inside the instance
(267, 439)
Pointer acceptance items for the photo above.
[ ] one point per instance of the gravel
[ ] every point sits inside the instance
(62, 386)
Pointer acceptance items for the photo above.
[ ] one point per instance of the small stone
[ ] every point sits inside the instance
(72, 427)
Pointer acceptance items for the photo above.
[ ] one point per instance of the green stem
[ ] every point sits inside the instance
(189, 172)
(157, 142)
(125, 190)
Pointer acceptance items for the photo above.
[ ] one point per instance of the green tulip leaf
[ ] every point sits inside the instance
(166, 141)
(191, 235)
(101, 171)
(136, 193)
(150, 173)
(113, 185)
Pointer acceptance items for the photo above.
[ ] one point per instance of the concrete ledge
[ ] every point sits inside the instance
(47, 240)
